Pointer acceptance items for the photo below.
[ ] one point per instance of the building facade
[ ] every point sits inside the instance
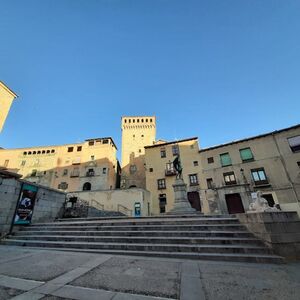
(232, 173)
(6, 98)
(137, 132)
(91, 165)
(160, 173)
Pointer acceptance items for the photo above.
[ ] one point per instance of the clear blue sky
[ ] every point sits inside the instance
(219, 70)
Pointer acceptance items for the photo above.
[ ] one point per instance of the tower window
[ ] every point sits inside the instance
(142, 120)
(79, 148)
(133, 121)
(125, 121)
(70, 149)
(129, 121)
(138, 120)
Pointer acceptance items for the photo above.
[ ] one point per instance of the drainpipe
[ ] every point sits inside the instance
(285, 168)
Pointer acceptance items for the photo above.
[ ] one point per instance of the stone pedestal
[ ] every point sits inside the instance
(181, 203)
(278, 230)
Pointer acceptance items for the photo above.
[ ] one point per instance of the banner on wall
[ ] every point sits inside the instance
(25, 204)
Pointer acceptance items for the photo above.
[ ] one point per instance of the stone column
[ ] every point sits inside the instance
(181, 202)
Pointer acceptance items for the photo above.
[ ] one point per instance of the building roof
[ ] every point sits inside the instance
(173, 142)
(250, 138)
(8, 89)
(103, 138)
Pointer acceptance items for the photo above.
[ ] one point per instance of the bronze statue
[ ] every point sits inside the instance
(178, 167)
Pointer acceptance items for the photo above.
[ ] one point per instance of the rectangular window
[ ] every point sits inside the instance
(79, 148)
(70, 149)
(33, 173)
(294, 143)
(193, 179)
(259, 176)
(75, 172)
(132, 169)
(65, 172)
(104, 171)
(195, 163)
(246, 154)
(170, 169)
(161, 184)
(163, 152)
(229, 178)
(175, 150)
(225, 159)
(90, 172)
(91, 143)
(93, 157)
(210, 183)
(150, 169)
(105, 142)
(63, 186)
(210, 160)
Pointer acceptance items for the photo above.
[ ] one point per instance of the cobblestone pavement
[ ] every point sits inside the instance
(54, 275)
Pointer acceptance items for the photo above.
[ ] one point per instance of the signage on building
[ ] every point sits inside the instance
(254, 195)
(25, 205)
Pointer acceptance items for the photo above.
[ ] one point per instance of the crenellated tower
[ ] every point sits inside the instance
(137, 132)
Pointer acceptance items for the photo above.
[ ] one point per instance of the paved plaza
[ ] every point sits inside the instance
(54, 275)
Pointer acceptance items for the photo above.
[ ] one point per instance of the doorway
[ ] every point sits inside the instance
(270, 199)
(234, 203)
(194, 200)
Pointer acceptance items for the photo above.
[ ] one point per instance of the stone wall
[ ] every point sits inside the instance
(48, 206)
(122, 200)
(278, 230)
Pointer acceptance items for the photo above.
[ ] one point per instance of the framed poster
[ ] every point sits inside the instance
(25, 204)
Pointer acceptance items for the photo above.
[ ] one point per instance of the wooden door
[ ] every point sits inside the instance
(234, 203)
(194, 199)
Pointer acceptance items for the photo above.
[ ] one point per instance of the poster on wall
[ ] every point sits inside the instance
(25, 204)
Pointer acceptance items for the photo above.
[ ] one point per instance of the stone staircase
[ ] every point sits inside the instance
(189, 237)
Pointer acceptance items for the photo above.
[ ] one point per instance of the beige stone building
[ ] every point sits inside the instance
(137, 132)
(91, 165)
(225, 178)
(6, 98)
(232, 173)
(160, 174)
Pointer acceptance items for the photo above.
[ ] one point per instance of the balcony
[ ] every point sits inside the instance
(170, 172)
(90, 174)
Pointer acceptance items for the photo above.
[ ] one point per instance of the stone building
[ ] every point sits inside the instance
(91, 165)
(6, 98)
(231, 173)
(160, 173)
(137, 132)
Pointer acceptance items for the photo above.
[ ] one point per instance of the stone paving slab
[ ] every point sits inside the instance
(8, 293)
(93, 276)
(135, 276)
(248, 281)
(43, 266)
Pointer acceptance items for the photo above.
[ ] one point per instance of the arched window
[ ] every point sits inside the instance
(87, 186)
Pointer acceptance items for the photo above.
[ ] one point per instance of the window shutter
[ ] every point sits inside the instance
(225, 159)
(246, 154)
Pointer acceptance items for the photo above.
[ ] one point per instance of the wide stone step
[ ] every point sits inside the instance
(138, 233)
(160, 217)
(144, 240)
(249, 249)
(143, 222)
(240, 257)
(137, 228)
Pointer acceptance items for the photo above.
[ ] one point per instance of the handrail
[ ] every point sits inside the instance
(126, 210)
